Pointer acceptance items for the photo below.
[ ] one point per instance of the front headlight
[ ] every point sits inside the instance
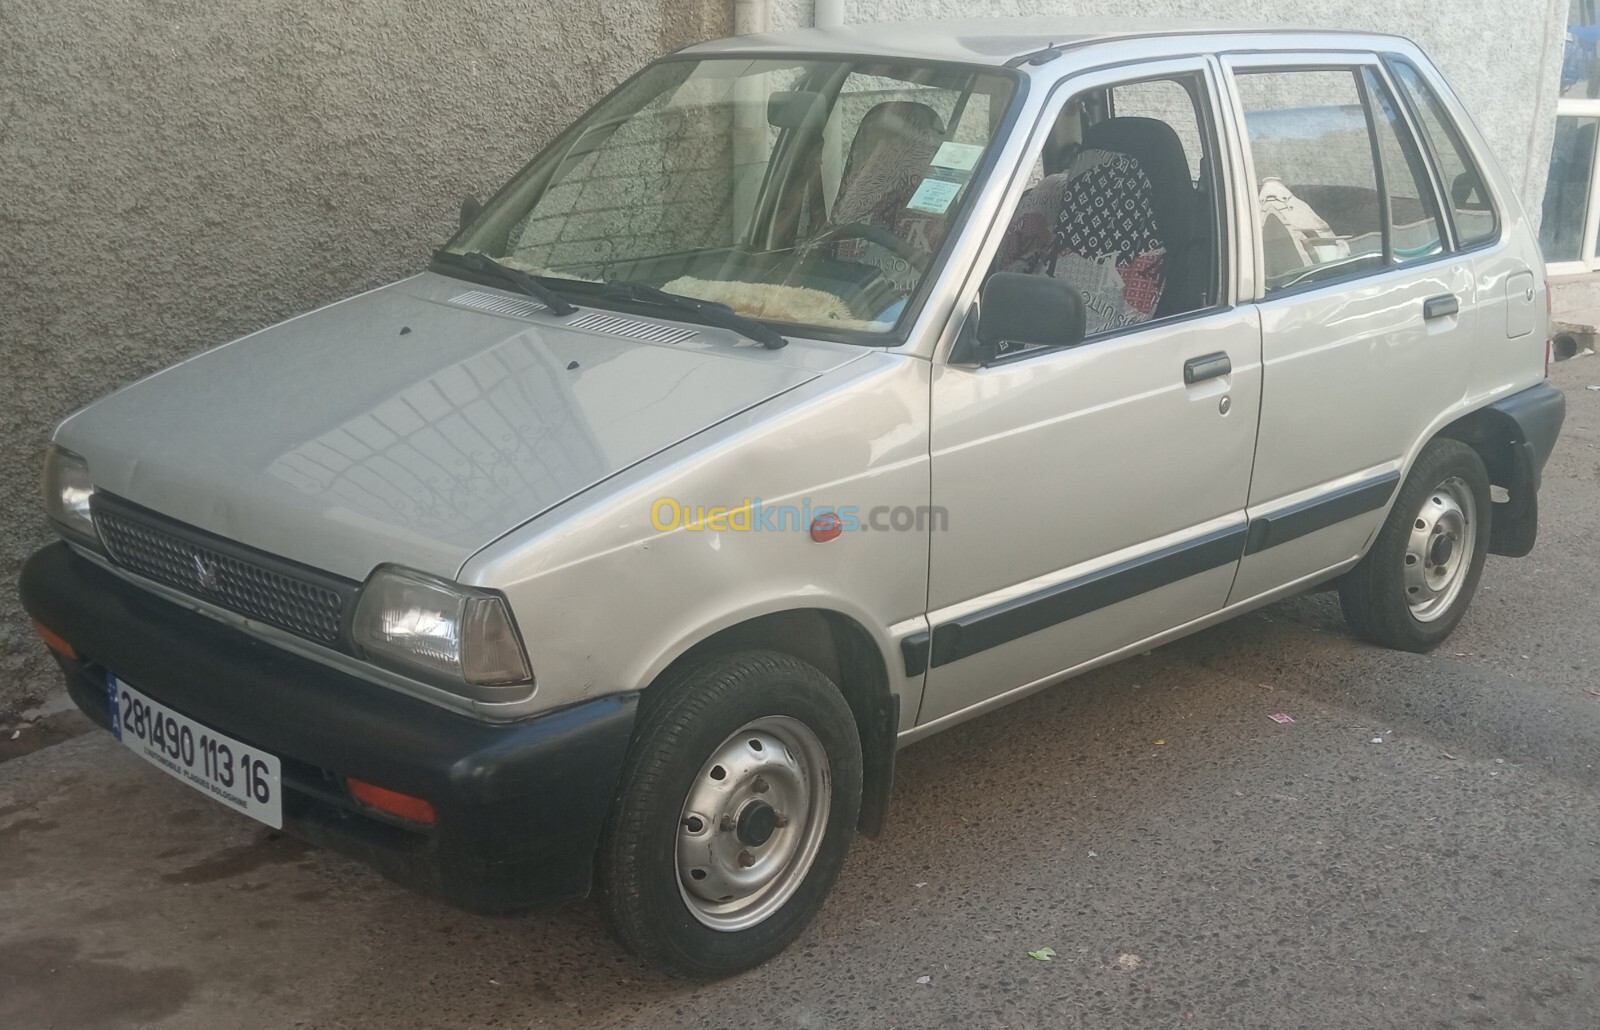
(443, 633)
(67, 489)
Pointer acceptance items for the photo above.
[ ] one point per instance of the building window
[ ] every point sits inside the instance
(1563, 231)
(1571, 214)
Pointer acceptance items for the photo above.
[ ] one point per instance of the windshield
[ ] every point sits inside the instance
(811, 192)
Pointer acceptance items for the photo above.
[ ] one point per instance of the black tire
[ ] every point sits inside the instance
(1374, 594)
(683, 722)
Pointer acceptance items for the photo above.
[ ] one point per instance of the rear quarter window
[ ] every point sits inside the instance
(1471, 208)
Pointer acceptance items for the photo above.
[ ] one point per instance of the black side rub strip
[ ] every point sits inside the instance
(914, 650)
(1042, 609)
(1320, 512)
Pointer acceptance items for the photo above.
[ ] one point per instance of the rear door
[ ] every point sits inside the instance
(1367, 311)
(1491, 229)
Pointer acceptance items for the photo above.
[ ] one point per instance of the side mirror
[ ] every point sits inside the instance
(470, 206)
(1021, 311)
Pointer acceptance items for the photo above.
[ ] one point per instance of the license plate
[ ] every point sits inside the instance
(236, 774)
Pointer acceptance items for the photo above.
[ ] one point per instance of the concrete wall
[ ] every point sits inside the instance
(1502, 56)
(174, 174)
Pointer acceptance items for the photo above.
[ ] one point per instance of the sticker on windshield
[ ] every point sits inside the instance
(934, 196)
(958, 157)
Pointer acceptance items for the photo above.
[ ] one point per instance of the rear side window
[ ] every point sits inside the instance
(1322, 216)
(1342, 186)
(1470, 207)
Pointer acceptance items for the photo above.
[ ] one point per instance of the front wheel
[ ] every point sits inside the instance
(738, 801)
(1414, 585)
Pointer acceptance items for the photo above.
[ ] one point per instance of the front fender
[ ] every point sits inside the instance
(607, 595)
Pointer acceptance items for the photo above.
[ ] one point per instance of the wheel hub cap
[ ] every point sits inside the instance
(756, 823)
(1439, 550)
(752, 823)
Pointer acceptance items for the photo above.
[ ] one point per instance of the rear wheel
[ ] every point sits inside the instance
(739, 799)
(1416, 582)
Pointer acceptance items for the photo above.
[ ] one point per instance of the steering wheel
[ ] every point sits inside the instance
(873, 234)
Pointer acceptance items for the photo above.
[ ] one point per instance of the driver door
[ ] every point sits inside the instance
(1096, 493)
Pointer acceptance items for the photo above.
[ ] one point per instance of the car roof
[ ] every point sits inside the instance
(996, 41)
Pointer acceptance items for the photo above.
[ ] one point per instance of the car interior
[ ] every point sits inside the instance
(1122, 207)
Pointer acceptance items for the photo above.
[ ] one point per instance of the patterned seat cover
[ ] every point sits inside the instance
(888, 159)
(1093, 225)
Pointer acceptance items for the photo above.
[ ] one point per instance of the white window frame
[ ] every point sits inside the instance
(1587, 261)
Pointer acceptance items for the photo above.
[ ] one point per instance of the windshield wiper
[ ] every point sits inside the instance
(719, 315)
(557, 304)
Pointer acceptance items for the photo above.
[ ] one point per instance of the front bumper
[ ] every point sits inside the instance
(519, 806)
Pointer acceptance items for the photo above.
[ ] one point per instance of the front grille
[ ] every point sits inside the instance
(253, 584)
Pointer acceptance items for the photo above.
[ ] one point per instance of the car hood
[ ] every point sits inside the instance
(419, 422)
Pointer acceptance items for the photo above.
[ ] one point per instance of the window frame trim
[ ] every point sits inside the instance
(1380, 169)
(1412, 126)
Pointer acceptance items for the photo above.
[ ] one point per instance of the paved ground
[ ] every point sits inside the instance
(1192, 863)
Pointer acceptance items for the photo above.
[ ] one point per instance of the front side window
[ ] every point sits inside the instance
(1121, 204)
(807, 192)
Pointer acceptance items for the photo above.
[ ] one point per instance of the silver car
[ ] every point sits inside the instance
(811, 394)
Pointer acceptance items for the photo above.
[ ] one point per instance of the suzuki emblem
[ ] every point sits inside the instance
(206, 572)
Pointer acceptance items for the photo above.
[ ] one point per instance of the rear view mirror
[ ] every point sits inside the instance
(795, 109)
(1016, 311)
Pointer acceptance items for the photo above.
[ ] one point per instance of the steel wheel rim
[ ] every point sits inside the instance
(752, 823)
(1440, 549)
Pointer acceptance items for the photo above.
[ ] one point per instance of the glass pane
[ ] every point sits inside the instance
(1168, 101)
(1566, 194)
(875, 118)
(1321, 217)
(710, 179)
(1580, 64)
(1414, 226)
(1113, 209)
(1470, 206)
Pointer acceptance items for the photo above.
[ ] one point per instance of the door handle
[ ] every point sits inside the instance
(1439, 307)
(1207, 366)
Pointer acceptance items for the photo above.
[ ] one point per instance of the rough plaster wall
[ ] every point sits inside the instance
(1502, 56)
(175, 174)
